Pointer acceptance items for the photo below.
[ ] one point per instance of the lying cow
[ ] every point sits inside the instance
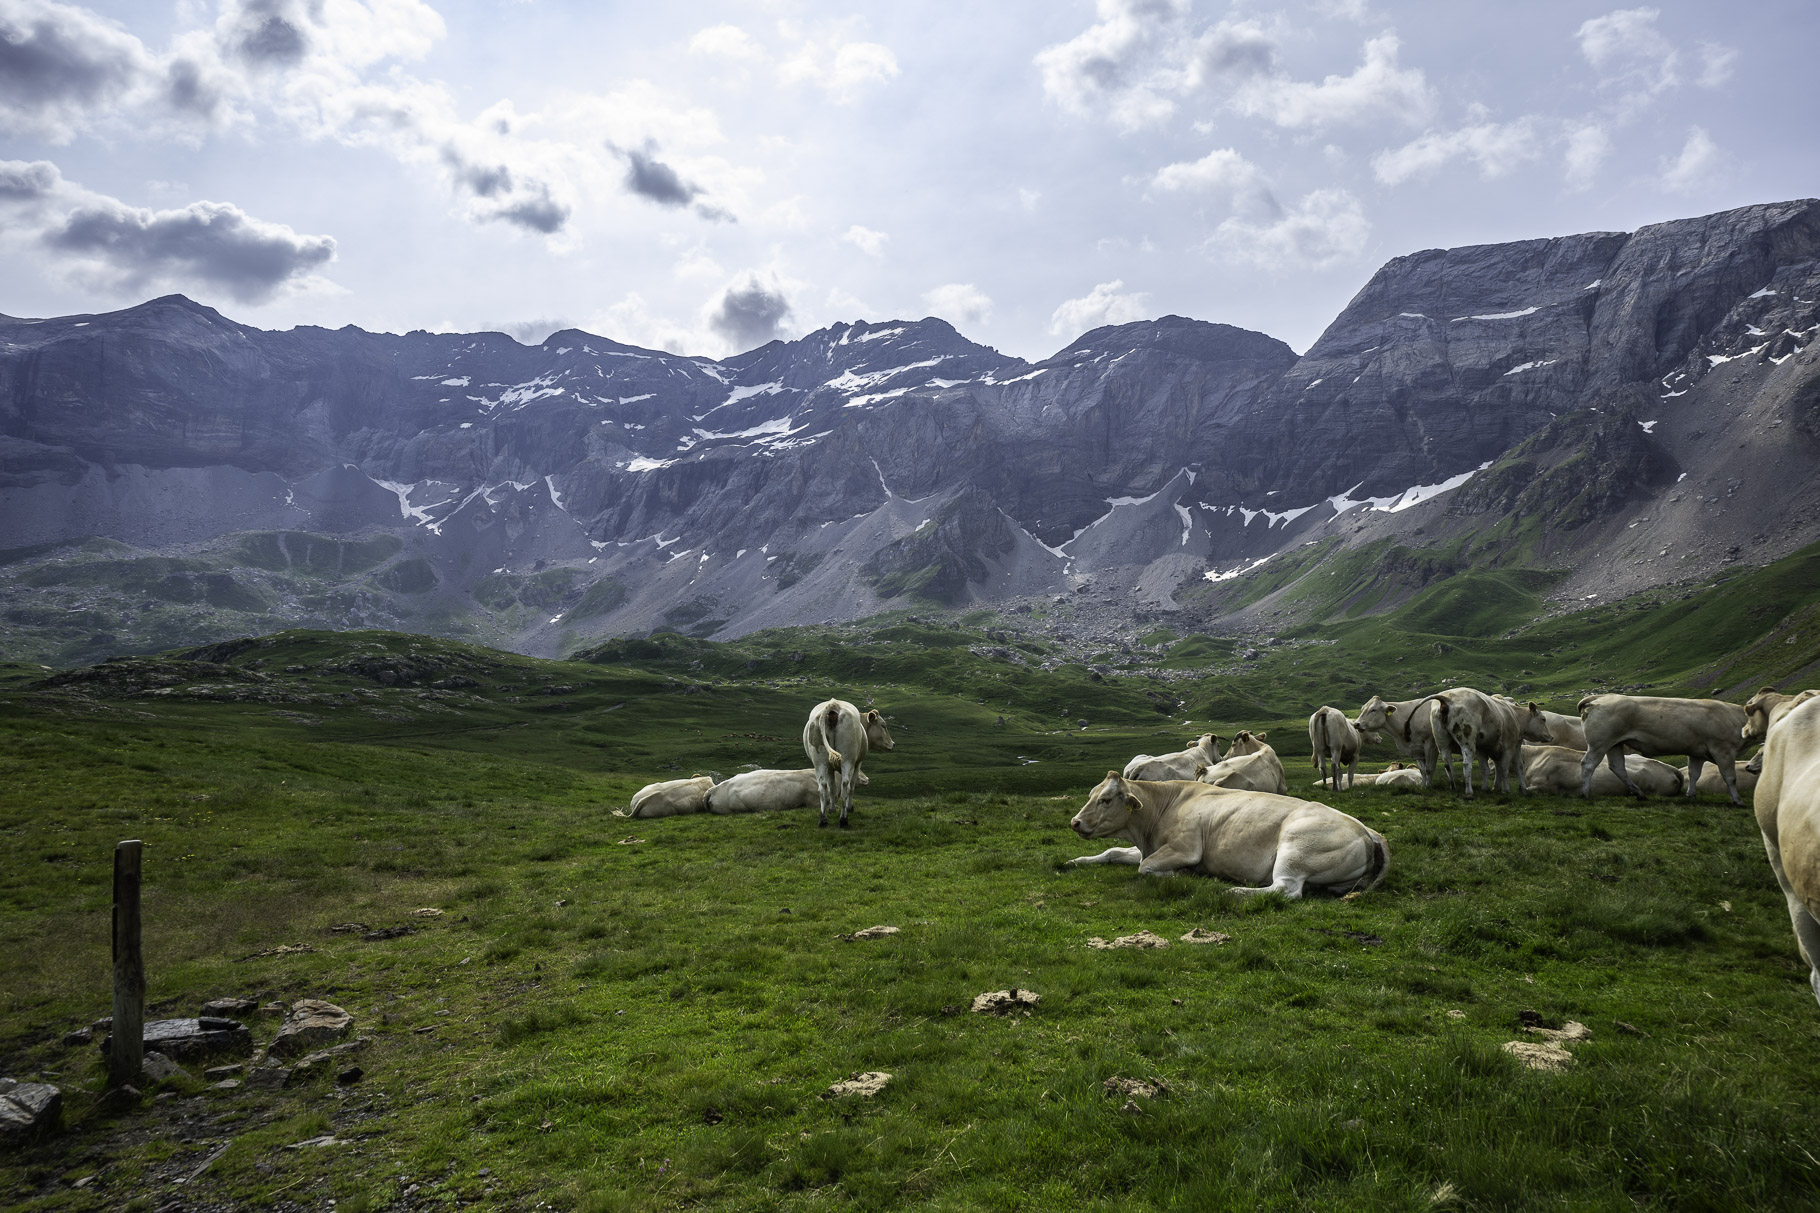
(1402, 777)
(1334, 742)
(1183, 764)
(1249, 766)
(1379, 717)
(1788, 813)
(1706, 730)
(766, 791)
(837, 739)
(1275, 844)
(1569, 731)
(672, 797)
(1765, 708)
(1711, 783)
(1556, 769)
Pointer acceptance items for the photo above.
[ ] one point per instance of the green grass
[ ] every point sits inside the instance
(650, 1024)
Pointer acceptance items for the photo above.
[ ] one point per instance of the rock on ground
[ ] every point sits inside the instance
(188, 1039)
(27, 1108)
(310, 1024)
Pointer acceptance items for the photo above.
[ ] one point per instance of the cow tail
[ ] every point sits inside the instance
(1581, 709)
(1376, 869)
(1411, 718)
(835, 761)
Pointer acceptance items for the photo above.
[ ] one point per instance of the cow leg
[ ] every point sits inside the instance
(823, 784)
(1694, 766)
(1130, 855)
(1352, 773)
(1615, 761)
(1588, 765)
(1466, 757)
(1807, 931)
(1171, 858)
(1729, 772)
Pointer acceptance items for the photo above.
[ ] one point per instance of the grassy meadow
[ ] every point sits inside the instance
(615, 1014)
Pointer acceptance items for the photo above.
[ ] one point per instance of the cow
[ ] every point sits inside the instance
(1401, 777)
(1765, 708)
(672, 797)
(1249, 766)
(837, 739)
(1378, 716)
(765, 791)
(1183, 764)
(1491, 727)
(1788, 812)
(1566, 731)
(1275, 844)
(1556, 769)
(1706, 730)
(1334, 742)
(1711, 784)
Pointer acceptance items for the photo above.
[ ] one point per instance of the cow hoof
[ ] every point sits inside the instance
(823, 823)
(843, 823)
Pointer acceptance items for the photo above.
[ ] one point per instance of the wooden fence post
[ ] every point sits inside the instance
(127, 1051)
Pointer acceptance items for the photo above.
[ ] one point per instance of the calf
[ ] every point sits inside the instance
(1275, 844)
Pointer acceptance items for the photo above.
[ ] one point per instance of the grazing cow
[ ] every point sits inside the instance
(1417, 742)
(672, 797)
(1249, 766)
(1788, 813)
(1765, 708)
(1706, 730)
(837, 739)
(1334, 741)
(1490, 727)
(1566, 731)
(1183, 764)
(1275, 844)
(1556, 769)
(769, 791)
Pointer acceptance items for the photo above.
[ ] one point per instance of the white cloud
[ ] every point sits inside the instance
(1716, 63)
(1588, 145)
(1378, 88)
(842, 69)
(60, 65)
(1325, 227)
(1222, 171)
(866, 240)
(725, 42)
(960, 304)
(1630, 54)
(1497, 148)
(1028, 198)
(1107, 303)
(1114, 63)
(1695, 165)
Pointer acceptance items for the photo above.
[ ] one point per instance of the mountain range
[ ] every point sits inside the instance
(1614, 410)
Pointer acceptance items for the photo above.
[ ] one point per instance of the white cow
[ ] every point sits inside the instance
(1183, 764)
(1274, 844)
(1333, 740)
(1491, 727)
(1788, 813)
(1379, 716)
(837, 739)
(1556, 769)
(1765, 708)
(672, 797)
(1249, 766)
(1711, 783)
(1402, 777)
(1567, 731)
(765, 791)
(1706, 730)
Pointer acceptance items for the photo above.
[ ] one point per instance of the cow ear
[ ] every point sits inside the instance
(1390, 709)
(1766, 690)
(1113, 775)
(1259, 736)
(1534, 706)
(1131, 804)
(872, 715)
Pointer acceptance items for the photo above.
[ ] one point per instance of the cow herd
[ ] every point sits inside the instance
(1231, 815)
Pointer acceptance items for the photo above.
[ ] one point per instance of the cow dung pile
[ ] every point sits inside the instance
(1143, 939)
(1004, 1002)
(1151, 1089)
(878, 932)
(1199, 935)
(868, 1084)
(1548, 1056)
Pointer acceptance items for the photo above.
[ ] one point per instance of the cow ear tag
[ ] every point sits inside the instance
(1131, 804)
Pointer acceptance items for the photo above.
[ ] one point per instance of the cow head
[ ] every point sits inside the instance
(1246, 742)
(1375, 716)
(1756, 714)
(1209, 743)
(1108, 809)
(878, 737)
(1535, 724)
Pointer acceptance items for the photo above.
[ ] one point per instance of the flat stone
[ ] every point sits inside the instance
(323, 1060)
(227, 1084)
(28, 1108)
(217, 1073)
(310, 1024)
(1547, 1056)
(188, 1039)
(268, 1076)
(228, 1008)
(81, 1036)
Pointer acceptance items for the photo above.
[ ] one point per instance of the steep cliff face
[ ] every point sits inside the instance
(870, 464)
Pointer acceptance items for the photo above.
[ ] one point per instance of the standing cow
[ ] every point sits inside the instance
(1706, 730)
(1335, 741)
(837, 739)
(1380, 716)
(1491, 727)
(1788, 813)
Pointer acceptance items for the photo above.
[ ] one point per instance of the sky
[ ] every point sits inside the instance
(707, 177)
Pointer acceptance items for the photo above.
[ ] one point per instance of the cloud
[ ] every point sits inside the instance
(1497, 148)
(1588, 145)
(1631, 56)
(59, 64)
(1694, 167)
(1716, 64)
(840, 69)
(122, 247)
(960, 303)
(725, 42)
(866, 240)
(1103, 305)
(1325, 227)
(1120, 64)
(651, 178)
(749, 312)
(1378, 88)
(528, 332)
(1223, 171)
(270, 33)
